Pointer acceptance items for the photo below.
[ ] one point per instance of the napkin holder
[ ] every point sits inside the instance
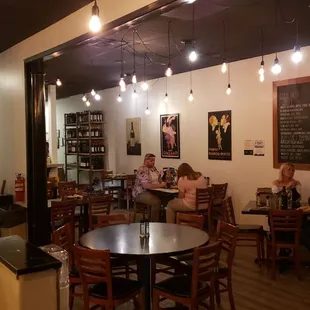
(263, 193)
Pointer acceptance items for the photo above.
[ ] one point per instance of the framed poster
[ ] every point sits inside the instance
(219, 136)
(133, 136)
(170, 135)
(291, 123)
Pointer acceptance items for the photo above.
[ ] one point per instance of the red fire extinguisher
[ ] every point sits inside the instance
(19, 188)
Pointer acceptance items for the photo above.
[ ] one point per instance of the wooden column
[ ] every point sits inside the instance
(38, 212)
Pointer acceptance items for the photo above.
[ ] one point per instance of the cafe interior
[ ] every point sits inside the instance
(166, 159)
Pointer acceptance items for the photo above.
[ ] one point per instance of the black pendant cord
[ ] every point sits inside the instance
(193, 25)
(144, 68)
(297, 31)
(262, 45)
(166, 85)
(169, 47)
(147, 99)
(134, 50)
(228, 73)
(122, 59)
(224, 40)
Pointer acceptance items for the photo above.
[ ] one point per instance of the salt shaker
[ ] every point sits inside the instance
(147, 229)
(142, 229)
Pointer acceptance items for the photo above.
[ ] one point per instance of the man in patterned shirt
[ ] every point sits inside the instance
(148, 177)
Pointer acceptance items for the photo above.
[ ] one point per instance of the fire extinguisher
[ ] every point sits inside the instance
(19, 188)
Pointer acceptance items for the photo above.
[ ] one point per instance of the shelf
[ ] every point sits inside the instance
(92, 138)
(93, 170)
(71, 125)
(71, 139)
(91, 123)
(71, 153)
(91, 154)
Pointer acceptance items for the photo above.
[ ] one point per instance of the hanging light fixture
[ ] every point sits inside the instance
(119, 98)
(134, 76)
(145, 85)
(134, 94)
(95, 23)
(276, 67)
(261, 71)
(193, 56)
(122, 83)
(169, 71)
(87, 103)
(228, 90)
(93, 93)
(166, 99)
(297, 55)
(224, 65)
(191, 94)
(97, 97)
(147, 110)
(58, 82)
(84, 98)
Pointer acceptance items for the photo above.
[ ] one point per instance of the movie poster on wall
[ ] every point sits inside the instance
(133, 136)
(219, 138)
(170, 135)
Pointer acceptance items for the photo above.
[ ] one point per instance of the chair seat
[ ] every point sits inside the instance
(121, 288)
(249, 228)
(74, 273)
(180, 286)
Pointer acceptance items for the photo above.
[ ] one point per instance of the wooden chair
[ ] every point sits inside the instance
(219, 194)
(188, 219)
(141, 208)
(248, 235)
(113, 219)
(99, 286)
(66, 186)
(100, 205)
(50, 192)
(126, 194)
(63, 238)
(192, 290)
(285, 226)
(204, 200)
(228, 235)
(107, 177)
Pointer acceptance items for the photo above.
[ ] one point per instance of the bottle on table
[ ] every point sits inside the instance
(257, 199)
(284, 200)
(289, 198)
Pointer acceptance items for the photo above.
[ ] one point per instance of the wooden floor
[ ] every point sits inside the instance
(254, 290)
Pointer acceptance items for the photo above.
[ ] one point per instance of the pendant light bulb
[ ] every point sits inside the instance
(147, 111)
(119, 98)
(97, 97)
(166, 98)
(93, 93)
(122, 83)
(87, 103)
(95, 23)
(262, 77)
(224, 67)
(191, 96)
(228, 90)
(297, 55)
(145, 86)
(134, 78)
(169, 71)
(276, 68)
(58, 82)
(84, 98)
(134, 94)
(193, 56)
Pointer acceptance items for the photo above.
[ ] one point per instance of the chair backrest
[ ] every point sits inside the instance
(130, 181)
(205, 263)
(228, 234)
(193, 220)
(204, 198)
(219, 190)
(94, 267)
(285, 221)
(62, 211)
(113, 219)
(50, 190)
(99, 205)
(228, 211)
(63, 238)
(65, 187)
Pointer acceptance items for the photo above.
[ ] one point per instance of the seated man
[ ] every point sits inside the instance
(148, 177)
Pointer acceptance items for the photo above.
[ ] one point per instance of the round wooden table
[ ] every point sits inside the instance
(165, 239)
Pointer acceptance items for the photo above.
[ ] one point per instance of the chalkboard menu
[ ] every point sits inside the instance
(291, 123)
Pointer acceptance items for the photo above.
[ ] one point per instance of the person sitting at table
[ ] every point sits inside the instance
(148, 177)
(188, 181)
(286, 178)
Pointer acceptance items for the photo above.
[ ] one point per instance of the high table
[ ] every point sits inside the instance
(165, 239)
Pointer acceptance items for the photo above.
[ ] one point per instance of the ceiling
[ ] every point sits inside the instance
(96, 63)
(20, 19)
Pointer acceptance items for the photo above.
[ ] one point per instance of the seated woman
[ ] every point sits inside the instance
(189, 181)
(286, 178)
(148, 177)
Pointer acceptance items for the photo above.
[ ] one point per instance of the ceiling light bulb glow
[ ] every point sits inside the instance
(147, 111)
(97, 97)
(87, 103)
(190, 1)
(58, 82)
(119, 98)
(191, 96)
(84, 98)
(228, 90)
(276, 68)
(93, 93)
(122, 83)
(95, 23)
(262, 77)
(134, 94)
(193, 56)
(168, 72)
(261, 71)
(297, 55)
(145, 86)
(224, 67)
(166, 98)
(134, 78)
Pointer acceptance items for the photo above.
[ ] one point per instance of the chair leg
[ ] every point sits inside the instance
(262, 246)
(258, 247)
(297, 263)
(230, 294)
(71, 296)
(139, 301)
(273, 264)
(127, 270)
(217, 293)
(155, 303)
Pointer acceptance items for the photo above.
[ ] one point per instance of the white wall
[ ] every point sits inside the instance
(251, 105)
(12, 92)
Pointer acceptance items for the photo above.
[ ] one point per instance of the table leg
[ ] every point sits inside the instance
(84, 209)
(146, 277)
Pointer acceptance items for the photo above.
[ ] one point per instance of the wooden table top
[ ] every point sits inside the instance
(164, 239)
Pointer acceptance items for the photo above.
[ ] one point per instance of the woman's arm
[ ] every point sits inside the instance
(181, 195)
